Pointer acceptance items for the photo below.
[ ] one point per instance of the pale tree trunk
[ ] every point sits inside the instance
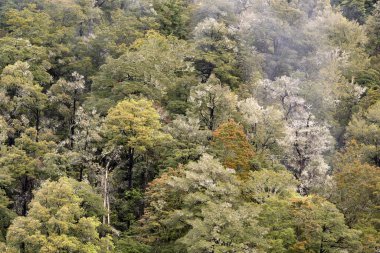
(106, 199)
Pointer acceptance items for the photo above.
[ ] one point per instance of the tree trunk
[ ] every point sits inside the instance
(106, 202)
(81, 174)
(131, 152)
(72, 125)
(22, 248)
(26, 192)
(37, 124)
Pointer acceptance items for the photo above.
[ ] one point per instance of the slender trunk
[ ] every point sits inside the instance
(131, 152)
(81, 174)
(22, 248)
(106, 203)
(212, 119)
(108, 210)
(25, 194)
(72, 125)
(11, 141)
(276, 46)
(37, 124)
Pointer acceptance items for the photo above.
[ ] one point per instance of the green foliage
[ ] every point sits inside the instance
(173, 17)
(365, 129)
(357, 10)
(127, 244)
(128, 96)
(22, 100)
(134, 124)
(219, 52)
(17, 49)
(151, 67)
(59, 220)
(357, 195)
(373, 31)
(203, 205)
(30, 23)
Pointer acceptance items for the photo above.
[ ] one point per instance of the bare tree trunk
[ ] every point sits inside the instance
(108, 210)
(106, 201)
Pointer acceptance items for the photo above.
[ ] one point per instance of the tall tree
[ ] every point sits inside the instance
(62, 217)
(212, 103)
(153, 66)
(173, 17)
(356, 195)
(131, 128)
(231, 145)
(65, 97)
(22, 100)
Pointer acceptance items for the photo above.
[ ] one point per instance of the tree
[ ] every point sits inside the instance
(153, 66)
(373, 31)
(173, 17)
(305, 143)
(265, 126)
(232, 147)
(22, 100)
(286, 93)
(218, 52)
(6, 214)
(112, 39)
(65, 98)
(134, 125)
(357, 10)
(189, 140)
(62, 217)
(30, 23)
(24, 165)
(306, 224)
(262, 185)
(181, 211)
(356, 194)
(212, 103)
(305, 140)
(216, 229)
(18, 49)
(364, 128)
(203, 207)
(130, 128)
(275, 30)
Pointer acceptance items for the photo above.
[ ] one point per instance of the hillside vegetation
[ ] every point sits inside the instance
(189, 126)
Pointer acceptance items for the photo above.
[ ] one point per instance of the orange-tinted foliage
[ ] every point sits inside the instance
(232, 146)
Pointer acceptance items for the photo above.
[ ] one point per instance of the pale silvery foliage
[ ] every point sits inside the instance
(212, 103)
(264, 126)
(306, 140)
(187, 129)
(206, 180)
(221, 9)
(284, 91)
(305, 143)
(251, 110)
(210, 28)
(88, 127)
(212, 205)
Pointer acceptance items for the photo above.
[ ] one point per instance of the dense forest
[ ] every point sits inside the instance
(189, 126)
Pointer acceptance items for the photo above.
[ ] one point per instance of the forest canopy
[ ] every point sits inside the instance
(189, 126)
